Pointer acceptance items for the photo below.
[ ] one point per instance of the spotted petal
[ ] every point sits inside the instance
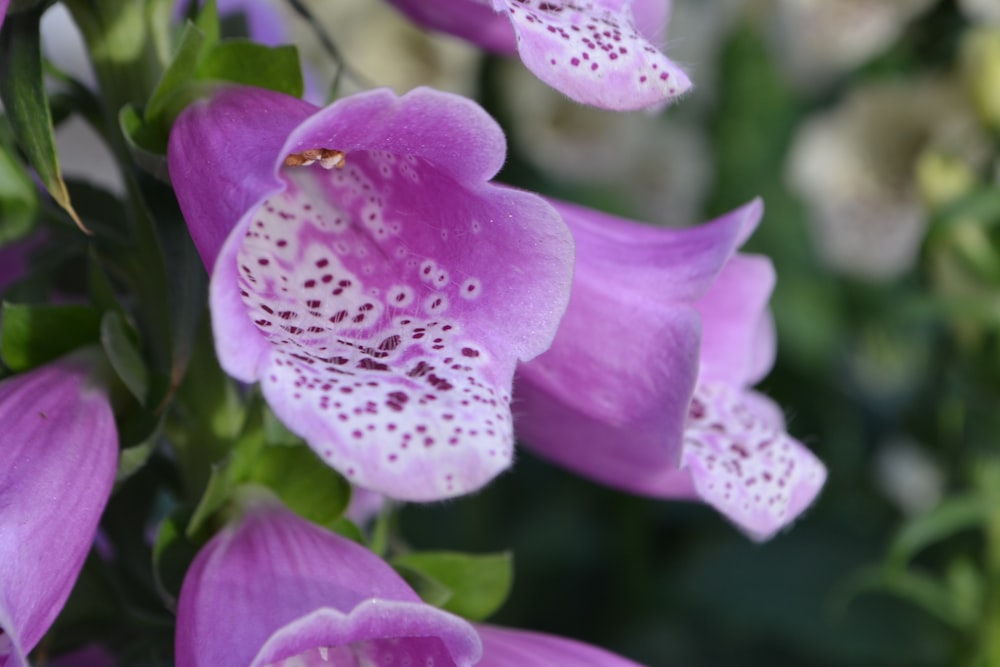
(598, 52)
(60, 451)
(384, 302)
(743, 463)
(591, 51)
(287, 592)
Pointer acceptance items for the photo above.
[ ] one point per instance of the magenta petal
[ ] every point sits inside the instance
(383, 302)
(274, 587)
(222, 157)
(60, 449)
(469, 19)
(503, 647)
(609, 399)
(738, 343)
(3, 10)
(745, 465)
(592, 52)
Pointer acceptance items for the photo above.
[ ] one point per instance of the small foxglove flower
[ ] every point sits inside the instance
(646, 385)
(597, 52)
(60, 452)
(373, 281)
(276, 590)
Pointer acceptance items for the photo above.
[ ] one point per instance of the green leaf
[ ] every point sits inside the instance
(253, 64)
(430, 590)
(22, 90)
(304, 483)
(179, 73)
(173, 553)
(146, 147)
(953, 515)
(479, 584)
(18, 199)
(921, 590)
(31, 335)
(123, 353)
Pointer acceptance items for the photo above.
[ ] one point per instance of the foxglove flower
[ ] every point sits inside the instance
(597, 52)
(373, 281)
(645, 386)
(329, 601)
(60, 452)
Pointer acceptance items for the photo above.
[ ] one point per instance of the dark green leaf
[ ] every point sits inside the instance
(172, 554)
(919, 589)
(479, 584)
(179, 73)
(146, 147)
(120, 346)
(18, 199)
(31, 335)
(22, 90)
(953, 515)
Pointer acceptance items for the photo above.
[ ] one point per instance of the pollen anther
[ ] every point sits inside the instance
(328, 158)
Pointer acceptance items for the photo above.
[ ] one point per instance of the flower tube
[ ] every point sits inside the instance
(598, 52)
(274, 589)
(646, 385)
(60, 453)
(368, 275)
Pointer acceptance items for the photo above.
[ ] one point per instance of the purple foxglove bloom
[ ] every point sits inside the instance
(60, 452)
(598, 52)
(4, 4)
(371, 278)
(646, 386)
(275, 589)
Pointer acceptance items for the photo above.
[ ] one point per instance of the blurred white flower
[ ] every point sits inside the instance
(907, 475)
(384, 48)
(822, 38)
(985, 11)
(659, 164)
(855, 167)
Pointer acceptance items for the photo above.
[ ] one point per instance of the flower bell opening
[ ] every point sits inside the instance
(416, 651)
(366, 325)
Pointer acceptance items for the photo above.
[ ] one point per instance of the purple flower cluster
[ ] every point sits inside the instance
(409, 319)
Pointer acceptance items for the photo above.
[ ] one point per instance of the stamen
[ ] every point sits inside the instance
(328, 158)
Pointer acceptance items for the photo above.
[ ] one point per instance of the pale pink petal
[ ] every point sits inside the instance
(740, 463)
(591, 51)
(738, 343)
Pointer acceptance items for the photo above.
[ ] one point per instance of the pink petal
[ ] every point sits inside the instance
(283, 588)
(222, 157)
(591, 51)
(630, 337)
(60, 452)
(469, 19)
(738, 343)
(745, 466)
(503, 647)
(384, 303)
